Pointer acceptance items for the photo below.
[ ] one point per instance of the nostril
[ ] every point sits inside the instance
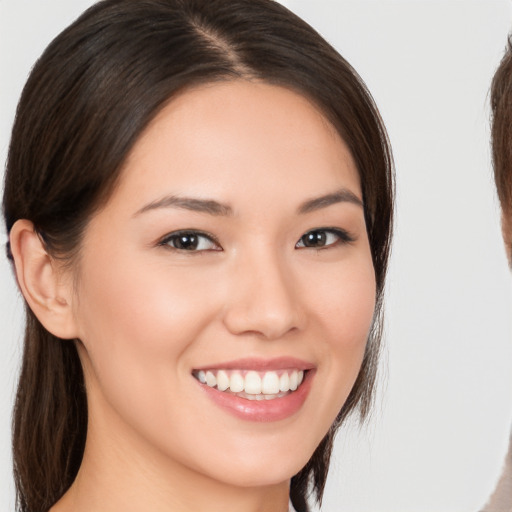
(267, 327)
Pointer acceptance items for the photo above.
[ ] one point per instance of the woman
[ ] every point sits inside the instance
(197, 328)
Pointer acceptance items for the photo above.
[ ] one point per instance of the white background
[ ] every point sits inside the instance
(440, 428)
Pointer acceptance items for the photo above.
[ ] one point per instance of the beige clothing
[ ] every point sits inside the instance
(501, 499)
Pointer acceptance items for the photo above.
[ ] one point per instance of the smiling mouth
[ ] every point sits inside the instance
(250, 384)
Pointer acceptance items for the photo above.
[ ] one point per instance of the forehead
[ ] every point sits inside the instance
(242, 134)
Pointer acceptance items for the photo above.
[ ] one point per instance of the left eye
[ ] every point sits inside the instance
(190, 241)
(320, 238)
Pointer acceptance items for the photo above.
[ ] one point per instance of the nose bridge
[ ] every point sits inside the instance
(264, 300)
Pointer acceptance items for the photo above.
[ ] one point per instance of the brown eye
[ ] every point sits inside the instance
(191, 241)
(314, 239)
(319, 238)
(187, 242)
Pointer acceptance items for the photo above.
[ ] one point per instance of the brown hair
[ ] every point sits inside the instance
(501, 130)
(86, 102)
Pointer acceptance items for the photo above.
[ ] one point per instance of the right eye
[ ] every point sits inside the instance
(190, 241)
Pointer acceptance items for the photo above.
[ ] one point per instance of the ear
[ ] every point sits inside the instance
(42, 281)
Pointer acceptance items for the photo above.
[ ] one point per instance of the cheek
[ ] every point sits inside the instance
(141, 307)
(346, 305)
(345, 309)
(137, 325)
(136, 321)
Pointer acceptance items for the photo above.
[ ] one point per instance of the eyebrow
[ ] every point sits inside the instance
(340, 196)
(212, 207)
(189, 203)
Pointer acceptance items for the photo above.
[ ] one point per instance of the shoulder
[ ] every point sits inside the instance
(501, 499)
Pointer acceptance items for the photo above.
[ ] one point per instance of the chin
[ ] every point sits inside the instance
(259, 469)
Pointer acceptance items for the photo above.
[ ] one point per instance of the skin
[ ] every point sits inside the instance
(506, 231)
(148, 314)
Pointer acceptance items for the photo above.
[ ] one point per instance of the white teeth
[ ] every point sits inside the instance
(270, 383)
(236, 383)
(252, 383)
(284, 382)
(294, 380)
(211, 380)
(222, 380)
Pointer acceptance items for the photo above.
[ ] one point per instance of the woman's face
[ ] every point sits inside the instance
(232, 255)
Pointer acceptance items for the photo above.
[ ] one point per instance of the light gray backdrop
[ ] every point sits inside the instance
(440, 428)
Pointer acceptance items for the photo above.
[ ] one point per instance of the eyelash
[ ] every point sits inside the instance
(343, 237)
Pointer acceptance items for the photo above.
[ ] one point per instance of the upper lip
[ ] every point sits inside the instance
(249, 363)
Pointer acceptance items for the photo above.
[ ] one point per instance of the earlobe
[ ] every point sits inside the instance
(41, 281)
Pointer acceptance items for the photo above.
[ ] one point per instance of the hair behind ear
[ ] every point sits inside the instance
(50, 418)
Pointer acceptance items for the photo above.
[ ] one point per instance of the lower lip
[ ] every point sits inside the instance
(262, 410)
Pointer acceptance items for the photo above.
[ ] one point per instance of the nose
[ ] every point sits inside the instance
(263, 299)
